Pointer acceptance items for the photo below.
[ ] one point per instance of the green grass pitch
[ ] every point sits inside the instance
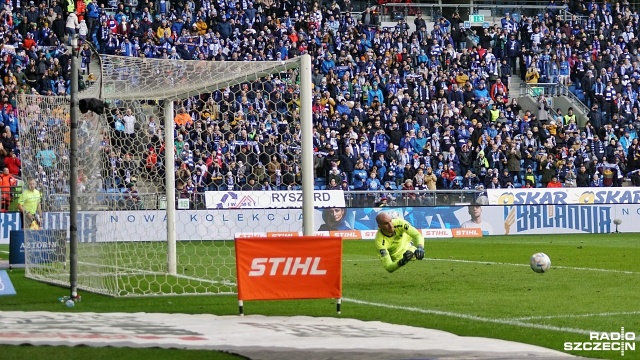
(471, 287)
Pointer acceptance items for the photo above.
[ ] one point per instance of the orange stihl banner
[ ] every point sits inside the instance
(300, 267)
(467, 233)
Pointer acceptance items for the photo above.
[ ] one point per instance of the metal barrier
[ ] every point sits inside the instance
(546, 89)
(112, 201)
(535, 90)
(103, 201)
(434, 11)
(574, 99)
(400, 197)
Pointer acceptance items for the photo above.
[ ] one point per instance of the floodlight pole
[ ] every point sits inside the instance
(73, 172)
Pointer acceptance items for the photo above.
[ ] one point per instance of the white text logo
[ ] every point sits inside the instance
(286, 266)
(605, 341)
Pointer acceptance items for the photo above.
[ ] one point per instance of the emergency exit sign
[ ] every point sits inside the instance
(476, 18)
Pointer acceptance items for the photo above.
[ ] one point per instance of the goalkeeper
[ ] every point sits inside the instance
(394, 242)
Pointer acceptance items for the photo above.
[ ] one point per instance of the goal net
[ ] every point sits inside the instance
(160, 173)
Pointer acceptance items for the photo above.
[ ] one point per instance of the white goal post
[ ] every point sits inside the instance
(142, 225)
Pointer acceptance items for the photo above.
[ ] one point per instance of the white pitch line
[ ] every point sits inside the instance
(4, 252)
(553, 266)
(527, 318)
(472, 317)
(628, 272)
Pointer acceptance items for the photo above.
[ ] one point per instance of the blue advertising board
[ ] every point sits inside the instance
(42, 246)
(6, 287)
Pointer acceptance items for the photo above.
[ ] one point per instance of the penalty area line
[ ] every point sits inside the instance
(509, 322)
(569, 316)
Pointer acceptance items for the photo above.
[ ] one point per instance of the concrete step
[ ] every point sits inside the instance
(514, 87)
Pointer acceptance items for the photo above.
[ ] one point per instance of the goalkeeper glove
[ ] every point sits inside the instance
(406, 257)
(419, 253)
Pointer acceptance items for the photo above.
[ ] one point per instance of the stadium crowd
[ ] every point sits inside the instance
(393, 108)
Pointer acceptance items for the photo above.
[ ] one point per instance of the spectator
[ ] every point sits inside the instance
(532, 75)
(7, 183)
(362, 87)
(448, 176)
(13, 163)
(430, 179)
(530, 177)
(71, 26)
(132, 198)
(183, 118)
(596, 181)
(554, 183)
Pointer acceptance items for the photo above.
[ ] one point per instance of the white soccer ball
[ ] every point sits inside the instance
(540, 262)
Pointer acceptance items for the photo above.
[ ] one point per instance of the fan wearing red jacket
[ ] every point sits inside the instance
(495, 89)
(554, 182)
(448, 176)
(12, 162)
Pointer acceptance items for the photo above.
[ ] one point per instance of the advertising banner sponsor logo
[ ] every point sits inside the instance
(564, 196)
(251, 235)
(289, 268)
(280, 234)
(368, 234)
(549, 219)
(271, 199)
(225, 224)
(346, 234)
(9, 221)
(436, 233)
(322, 234)
(467, 233)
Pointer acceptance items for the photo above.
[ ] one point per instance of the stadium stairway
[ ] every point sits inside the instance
(514, 87)
(562, 102)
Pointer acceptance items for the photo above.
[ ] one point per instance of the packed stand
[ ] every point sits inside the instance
(393, 108)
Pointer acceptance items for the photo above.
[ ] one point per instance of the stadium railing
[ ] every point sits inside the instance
(433, 11)
(117, 200)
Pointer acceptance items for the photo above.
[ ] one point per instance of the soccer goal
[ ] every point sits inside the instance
(174, 130)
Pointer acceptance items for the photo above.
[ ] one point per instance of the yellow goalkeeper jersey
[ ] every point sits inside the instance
(391, 248)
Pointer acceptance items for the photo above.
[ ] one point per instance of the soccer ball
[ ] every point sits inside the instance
(540, 262)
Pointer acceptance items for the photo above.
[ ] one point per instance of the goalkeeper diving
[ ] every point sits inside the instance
(398, 242)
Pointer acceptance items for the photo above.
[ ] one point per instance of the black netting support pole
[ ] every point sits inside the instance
(73, 173)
